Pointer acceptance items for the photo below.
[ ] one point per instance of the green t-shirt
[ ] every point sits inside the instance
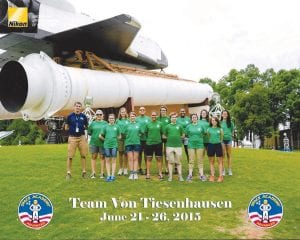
(227, 131)
(183, 121)
(173, 132)
(195, 134)
(215, 135)
(143, 121)
(205, 125)
(164, 121)
(111, 134)
(122, 124)
(94, 130)
(132, 133)
(153, 132)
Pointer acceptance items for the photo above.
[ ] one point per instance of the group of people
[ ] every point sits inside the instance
(160, 136)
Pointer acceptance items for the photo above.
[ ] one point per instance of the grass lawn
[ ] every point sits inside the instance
(41, 169)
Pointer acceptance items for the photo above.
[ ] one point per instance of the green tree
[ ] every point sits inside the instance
(25, 131)
(237, 81)
(252, 112)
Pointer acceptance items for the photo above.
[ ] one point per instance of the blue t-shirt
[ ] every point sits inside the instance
(77, 124)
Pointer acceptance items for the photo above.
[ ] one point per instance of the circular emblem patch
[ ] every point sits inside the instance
(265, 210)
(35, 210)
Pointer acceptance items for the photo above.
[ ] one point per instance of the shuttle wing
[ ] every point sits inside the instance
(111, 38)
(14, 46)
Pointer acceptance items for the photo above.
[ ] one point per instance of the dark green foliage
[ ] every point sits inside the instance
(25, 132)
(259, 102)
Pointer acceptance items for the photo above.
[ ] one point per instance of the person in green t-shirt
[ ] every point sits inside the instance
(228, 129)
(183, 120)
(165, 120)
(153, 132)
(110, 135)
(122, 121)
(143, 120)
(204, 123)
(195, 147)
(215, 138)
(96, 144)
(174, 134)
(132, 133)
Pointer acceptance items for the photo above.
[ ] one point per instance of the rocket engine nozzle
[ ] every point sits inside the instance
(14, 86)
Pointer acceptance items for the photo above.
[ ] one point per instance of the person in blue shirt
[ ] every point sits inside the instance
(76, 125)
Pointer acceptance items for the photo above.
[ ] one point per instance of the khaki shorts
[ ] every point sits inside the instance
(174, 154)
(77, 142)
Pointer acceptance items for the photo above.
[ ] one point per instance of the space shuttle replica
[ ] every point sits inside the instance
(71, 57)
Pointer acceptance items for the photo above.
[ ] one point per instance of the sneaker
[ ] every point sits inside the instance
(223, 173)
(120, 172)
(148, 177)
(220, 179)
(131, 176)
(170, 179)
(125, 172)
(68, 176)
(212, 178)
(189, 178)
(180, 178)
(101, 175)
(229, 172)
(93, 176)
(112, 178)
(203, 178)
(160, 177)
(108, 179)
(83, 175)
(135, 176)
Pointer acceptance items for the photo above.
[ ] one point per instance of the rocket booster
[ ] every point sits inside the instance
(38, 87)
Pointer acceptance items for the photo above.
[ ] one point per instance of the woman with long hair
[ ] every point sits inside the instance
(215, 137)
(228, 129)
(204, 123)
(122, 121)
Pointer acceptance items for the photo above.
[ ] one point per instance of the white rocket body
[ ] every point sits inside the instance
(43, 88)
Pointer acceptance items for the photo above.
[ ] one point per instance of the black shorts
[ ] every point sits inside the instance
(143, 146)
(214, 150)
(153, 149)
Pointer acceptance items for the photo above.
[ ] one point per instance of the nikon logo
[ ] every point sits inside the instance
(17, 17)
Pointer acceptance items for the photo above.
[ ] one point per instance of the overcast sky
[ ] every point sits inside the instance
(207, 38)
